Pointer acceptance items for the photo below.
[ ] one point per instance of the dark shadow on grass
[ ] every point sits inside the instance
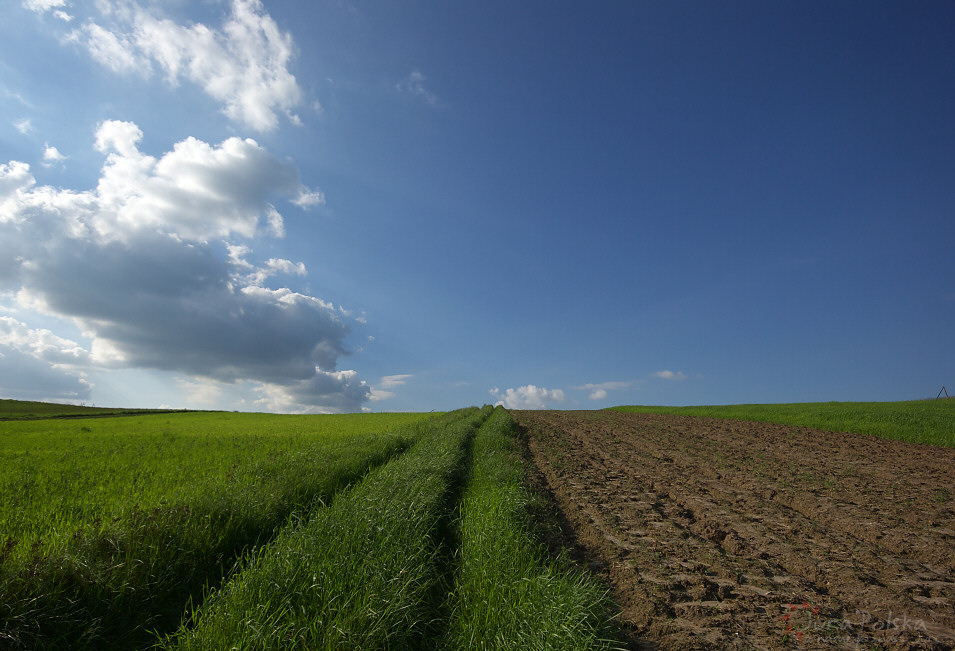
(127, 591)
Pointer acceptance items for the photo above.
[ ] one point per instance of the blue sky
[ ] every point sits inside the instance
(343, 206)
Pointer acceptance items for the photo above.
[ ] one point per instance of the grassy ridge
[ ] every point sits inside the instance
(507, 594)
(914, 421)
(27, 410)
(360, 574)
(112, 526)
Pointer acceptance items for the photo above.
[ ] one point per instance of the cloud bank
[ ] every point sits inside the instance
(153, 266)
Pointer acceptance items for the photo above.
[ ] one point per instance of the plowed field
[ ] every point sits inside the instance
(717, 534)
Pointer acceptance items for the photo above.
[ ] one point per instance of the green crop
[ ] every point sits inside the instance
(507, 594)
(361, 574)
(206, 530)
(111, 525)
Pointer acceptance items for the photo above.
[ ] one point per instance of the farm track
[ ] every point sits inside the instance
(721, 534)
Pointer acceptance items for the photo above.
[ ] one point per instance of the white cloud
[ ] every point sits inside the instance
(599, 391)
(23, 125)
(41, 344)
(669, 375)
(307, 198)
(140, 266)
(391, 381)
(25, 377)
(413, 85)
(327, 392)
(117, 52)
(36, 364)
(528, 397)
(40, 6)
(52, 155)
(15, 177)
(381, 390)
(198, 191)
(200, 391)
(243, 64)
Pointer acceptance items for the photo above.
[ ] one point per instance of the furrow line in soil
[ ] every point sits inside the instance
(718, 533)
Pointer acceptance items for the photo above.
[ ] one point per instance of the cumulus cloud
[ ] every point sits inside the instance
(528, 397)
(36, 364)
(243, 64)
(147, 266)
(24, 377)
(669, 375)
(599, 391)
(41, 344)
(197, 190)
(326, 392)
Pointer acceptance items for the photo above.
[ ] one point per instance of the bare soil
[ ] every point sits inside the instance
(720, 534)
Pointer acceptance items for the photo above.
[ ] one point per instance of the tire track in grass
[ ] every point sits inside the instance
(361, 573)
(117, 593)
(506, 593)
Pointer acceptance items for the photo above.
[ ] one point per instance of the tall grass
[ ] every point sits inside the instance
(363, 573)
(913, 421)
(507, 594)
(241, 531)
(111, 526)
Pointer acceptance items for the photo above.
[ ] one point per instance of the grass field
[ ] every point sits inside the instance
(914, 421)
(209, 530)
(110, 525)
(507, 594)
(205, 530)
(27, 410)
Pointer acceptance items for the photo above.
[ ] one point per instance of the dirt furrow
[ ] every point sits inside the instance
(719, 534)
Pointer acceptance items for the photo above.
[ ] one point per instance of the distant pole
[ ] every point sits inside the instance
(941, 392)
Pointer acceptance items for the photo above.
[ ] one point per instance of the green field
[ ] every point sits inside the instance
(110, 525)
(27, 410)
(914, 421)
(207, 530)
(221, 530)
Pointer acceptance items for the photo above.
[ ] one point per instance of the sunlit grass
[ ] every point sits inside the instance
(251, 531)
(360, 574)
(111, 525)
(914, 421)
(507, 594)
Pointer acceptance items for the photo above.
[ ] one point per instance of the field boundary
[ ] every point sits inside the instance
(927, 421)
